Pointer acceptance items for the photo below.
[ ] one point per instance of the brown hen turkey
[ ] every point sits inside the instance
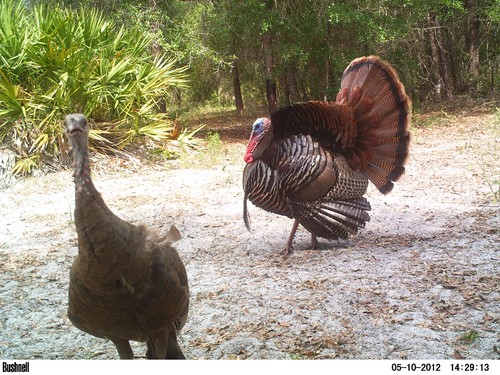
(125, 283)
(312, 161)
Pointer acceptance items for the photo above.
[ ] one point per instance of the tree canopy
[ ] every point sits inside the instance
(439, 47)
(131, 62)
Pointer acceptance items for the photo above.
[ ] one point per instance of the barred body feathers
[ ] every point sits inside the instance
(126, 283)
(312, 161)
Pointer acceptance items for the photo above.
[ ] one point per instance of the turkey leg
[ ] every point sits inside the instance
(288, 247)
(124, 349)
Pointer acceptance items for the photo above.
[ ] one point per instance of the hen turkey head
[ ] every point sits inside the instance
(77, 130)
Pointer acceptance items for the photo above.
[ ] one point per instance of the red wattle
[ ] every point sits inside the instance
(248, 158)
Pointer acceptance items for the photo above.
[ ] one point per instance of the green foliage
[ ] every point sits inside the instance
(214, 147)
(312, 42)
(107, 58)
(187, 137)
(55, 61)
(469, 337)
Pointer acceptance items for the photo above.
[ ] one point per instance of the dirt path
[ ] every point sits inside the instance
(420, 282)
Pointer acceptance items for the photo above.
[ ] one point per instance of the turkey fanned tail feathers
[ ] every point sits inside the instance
(381, 108)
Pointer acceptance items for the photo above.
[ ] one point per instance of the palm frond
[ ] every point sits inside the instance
(26, 165)
(53, 62)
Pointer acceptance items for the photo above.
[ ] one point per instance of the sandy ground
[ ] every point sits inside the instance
(420, 282)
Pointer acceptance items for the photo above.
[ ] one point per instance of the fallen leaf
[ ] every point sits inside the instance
(457, 355)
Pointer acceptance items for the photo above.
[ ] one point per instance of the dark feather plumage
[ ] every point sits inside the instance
(126, 283)
(312, 161)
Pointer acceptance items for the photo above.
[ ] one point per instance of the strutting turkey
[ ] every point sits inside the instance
(312, 161)
(125, 283)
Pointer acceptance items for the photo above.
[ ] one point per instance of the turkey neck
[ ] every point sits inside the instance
(101, 234)
(86, 195)
(83, 182)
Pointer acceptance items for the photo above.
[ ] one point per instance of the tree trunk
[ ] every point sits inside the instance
(155, 26)
(440, 67)
(445, 64)
(434, 69)
(157, 50)
(472, 40)
(283, 85)
(291, 84)
(327, 80)
(272, 98)
(238, 99)
(176, 92)
(493, 66)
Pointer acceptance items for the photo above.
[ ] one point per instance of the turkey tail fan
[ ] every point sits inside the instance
(333, 219)
(381, 108)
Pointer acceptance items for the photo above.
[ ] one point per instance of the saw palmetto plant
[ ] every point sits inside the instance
(53, 61)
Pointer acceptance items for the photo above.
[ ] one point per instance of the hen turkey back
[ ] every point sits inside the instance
(312, 161)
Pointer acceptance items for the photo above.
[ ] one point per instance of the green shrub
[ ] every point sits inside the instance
(55, 61)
